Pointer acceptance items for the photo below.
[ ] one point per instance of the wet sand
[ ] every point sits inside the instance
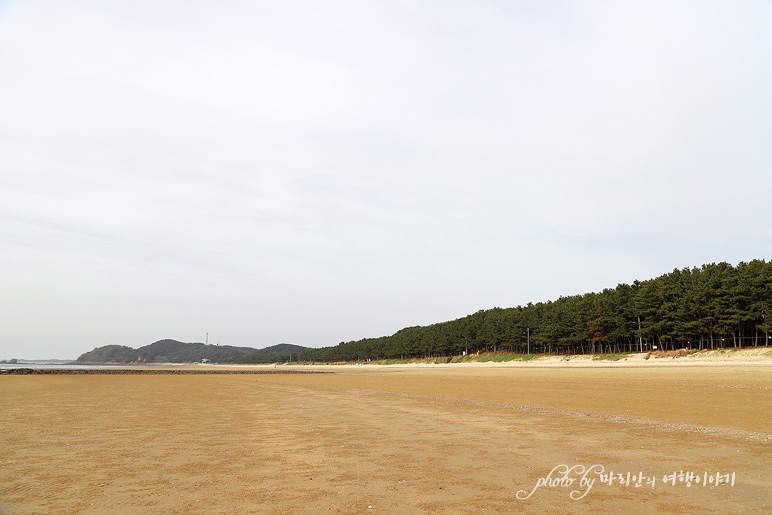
(397, 439)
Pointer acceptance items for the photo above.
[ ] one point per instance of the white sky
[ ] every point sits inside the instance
(314, 172)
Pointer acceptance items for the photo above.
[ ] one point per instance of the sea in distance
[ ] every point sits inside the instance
(62, 364)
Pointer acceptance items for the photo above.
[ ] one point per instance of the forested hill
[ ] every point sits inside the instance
(715, 305)
(172, 351)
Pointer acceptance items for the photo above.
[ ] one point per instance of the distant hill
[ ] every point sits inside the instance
(109, 354)
(273, 354)
(282, 348)
(173, 351)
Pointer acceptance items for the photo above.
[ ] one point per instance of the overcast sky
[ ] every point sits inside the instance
(317, 172)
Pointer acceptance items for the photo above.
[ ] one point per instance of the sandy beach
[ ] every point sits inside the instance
(461, 438)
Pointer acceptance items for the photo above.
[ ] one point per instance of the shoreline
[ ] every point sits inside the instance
(755, 357)
(21, 371)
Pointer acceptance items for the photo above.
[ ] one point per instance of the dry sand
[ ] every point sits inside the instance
(407, 439)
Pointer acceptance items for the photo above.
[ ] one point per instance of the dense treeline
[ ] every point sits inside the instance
(713, 306)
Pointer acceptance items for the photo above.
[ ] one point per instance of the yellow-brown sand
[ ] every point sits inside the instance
(385, 439)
